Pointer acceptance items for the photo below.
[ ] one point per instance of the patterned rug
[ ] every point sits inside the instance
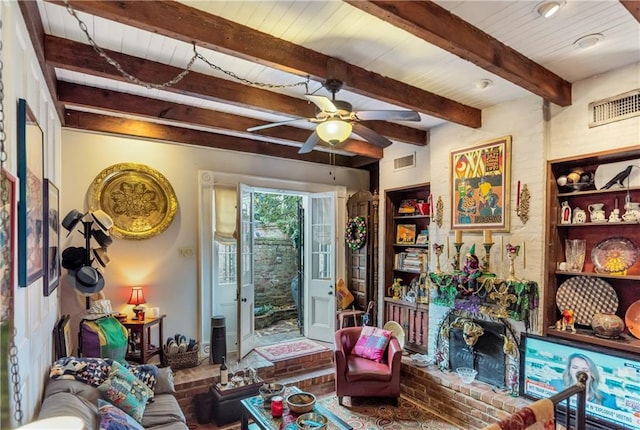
(372, 414)
(283, 351)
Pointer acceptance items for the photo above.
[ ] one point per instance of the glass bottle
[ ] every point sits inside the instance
(224, 372)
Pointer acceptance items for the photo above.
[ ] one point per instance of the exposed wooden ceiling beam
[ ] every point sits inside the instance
(79, 57)
(189, 25)
(33, 21)
(150, 130)
(441, 28)
(633, 6)
(112, 101)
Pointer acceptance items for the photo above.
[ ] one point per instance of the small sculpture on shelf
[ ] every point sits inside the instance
(396, 289)
(512, 253)
(468, 279)
(437, 250)
(567, 321)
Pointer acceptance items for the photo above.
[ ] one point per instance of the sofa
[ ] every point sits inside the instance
(73, 391)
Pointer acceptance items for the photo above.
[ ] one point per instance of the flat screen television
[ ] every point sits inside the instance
(613, 400)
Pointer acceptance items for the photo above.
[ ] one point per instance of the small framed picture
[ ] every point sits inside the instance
(51, 237)
(406, 234)
(422, 239)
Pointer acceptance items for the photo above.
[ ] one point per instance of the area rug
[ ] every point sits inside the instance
(375, 413)
(283, 351)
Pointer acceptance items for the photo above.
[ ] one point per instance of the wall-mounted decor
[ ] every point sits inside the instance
(51, 237)
(30, 206)
(7, 241)
(138, 198)
(480, 178)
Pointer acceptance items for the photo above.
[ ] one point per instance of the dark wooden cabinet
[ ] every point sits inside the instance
(563, 201)
(140, 348)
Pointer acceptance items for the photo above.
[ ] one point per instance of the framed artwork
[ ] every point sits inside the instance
(31, 194)
(406, 234)
(51, 237)
(7, 241)
(422, 239)
(480, 178)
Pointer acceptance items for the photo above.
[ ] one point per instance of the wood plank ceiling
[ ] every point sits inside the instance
(369, 45)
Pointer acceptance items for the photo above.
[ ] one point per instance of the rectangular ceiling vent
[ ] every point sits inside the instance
(406, 162)
(613, 109)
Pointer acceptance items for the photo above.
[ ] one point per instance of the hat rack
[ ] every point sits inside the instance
(83, 259)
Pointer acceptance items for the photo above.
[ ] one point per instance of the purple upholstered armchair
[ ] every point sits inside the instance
(361, 377)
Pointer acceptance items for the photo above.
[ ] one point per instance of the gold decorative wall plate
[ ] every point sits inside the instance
(139, 199)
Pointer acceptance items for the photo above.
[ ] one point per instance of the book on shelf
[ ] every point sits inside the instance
(413, 260)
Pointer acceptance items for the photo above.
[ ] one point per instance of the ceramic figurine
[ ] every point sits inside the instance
(565, 213)
(614, 216)
(567, 321)
(579, 216)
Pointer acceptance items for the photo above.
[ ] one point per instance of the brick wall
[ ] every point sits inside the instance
(275, 267)
(471, 406)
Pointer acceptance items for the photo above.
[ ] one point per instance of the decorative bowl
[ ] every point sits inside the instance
(268, 391)
(608, 326)
(301, 402)
(614, 255)
(312, 420)
(632, 318)
(466, 374)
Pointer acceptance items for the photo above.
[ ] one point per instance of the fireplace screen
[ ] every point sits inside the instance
(485, 354)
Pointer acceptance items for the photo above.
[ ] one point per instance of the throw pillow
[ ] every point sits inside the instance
(147, 373)
(372, 343)
(92, 371)
(125, 391)
(114, 418)
(165, 383)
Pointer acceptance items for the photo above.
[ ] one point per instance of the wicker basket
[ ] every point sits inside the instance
(182, 360)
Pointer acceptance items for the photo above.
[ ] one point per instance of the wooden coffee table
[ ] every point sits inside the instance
(254, 408)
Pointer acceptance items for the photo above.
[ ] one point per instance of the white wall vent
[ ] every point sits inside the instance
(614, 109)
(406, 162)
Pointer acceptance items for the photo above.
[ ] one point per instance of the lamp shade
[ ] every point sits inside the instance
(137, 297)
(334, 131)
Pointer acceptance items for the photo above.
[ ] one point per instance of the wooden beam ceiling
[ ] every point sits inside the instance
(441, 28)
(112, 101)
(633, 6)
(191, 25)
(150, 130)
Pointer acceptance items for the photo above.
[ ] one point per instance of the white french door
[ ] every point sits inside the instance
(320, 267)
(246, 339)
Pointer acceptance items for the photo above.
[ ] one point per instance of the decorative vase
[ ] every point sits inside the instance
(608, 326)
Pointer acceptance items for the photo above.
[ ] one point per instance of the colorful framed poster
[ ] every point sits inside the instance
(406, 234)
(51, 237)
(480, 178)
(31, 193)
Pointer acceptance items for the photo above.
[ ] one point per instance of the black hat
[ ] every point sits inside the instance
(73, 258)
(88, 281)
(71, 220)
(102, 238)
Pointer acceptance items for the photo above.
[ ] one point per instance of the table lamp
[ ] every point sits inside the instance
(137, 299)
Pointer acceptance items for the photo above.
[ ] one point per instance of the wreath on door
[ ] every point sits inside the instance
(355, 233)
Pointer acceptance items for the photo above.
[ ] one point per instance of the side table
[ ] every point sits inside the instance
(140, 348)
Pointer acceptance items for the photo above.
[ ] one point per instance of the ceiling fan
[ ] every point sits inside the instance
(336, 120)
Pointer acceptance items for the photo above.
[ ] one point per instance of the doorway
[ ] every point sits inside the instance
(278, 292)
(309, 215)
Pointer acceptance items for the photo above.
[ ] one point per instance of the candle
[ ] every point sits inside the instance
(487, 236)
(518, 196)
(616, 205)
(276, 406)
(447, 246)
(524, 256)
(458, 236)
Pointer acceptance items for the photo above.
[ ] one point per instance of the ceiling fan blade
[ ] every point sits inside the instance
(371, 136)
(275, 124)
(387, 115)
(323, 103)
(310, 143)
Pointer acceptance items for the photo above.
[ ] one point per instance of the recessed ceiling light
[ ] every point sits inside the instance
(482, 84)
(548, 8)
(588, 41)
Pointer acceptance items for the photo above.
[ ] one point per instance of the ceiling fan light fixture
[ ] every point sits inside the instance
(334, 131)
